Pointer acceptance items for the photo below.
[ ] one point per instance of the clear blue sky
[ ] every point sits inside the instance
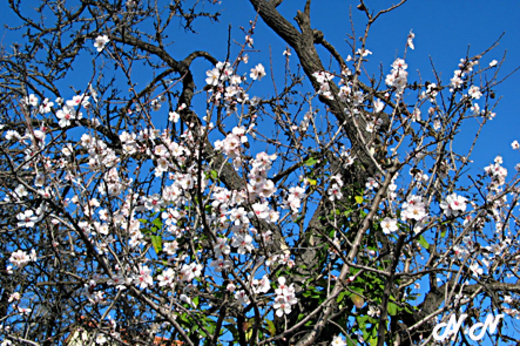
(444, 30)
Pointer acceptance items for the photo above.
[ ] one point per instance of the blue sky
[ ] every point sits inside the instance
(444, 30)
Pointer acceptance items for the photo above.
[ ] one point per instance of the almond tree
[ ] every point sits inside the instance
(208, 215)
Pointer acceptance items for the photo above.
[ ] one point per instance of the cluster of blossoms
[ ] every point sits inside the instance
(373, 311)
(338, 341)
(226, 84)
(168, 154)
(235, 210)
(100, 42)
(348, 159)
(371, 184)
(398, 77)
(242, 297)
(409, 40)
(100, 155)
(414, 209)
(389, 225)
(453, 205)
(170, 203)
(323, 78)
(354, 98)
(31, 100)
(20, 258)
(465, 67)
(497, 173)
(474, 92)
(257, 72)
(257, 286)
(495, 195)
(334, 190)
(232, 144)
(372, 119)
(491, 254)
(67, 114)
(221, 73)
(304, 124)
(259, 185)
(293, 200)
(261, 286)
(142, 278)
(27, 218)
(285, 298)
(431, 92)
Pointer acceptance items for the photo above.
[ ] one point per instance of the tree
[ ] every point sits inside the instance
(138, 203)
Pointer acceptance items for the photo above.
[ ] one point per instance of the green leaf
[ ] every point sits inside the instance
(392, 309)
(365, 334)
(158, 222)
(249, 334)
(270, 327)
(424, 243)
(359, 199)
(311, 161)
(157, 243)
(340, 296)
(358, 301)
(213, 174)
(312, 182)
